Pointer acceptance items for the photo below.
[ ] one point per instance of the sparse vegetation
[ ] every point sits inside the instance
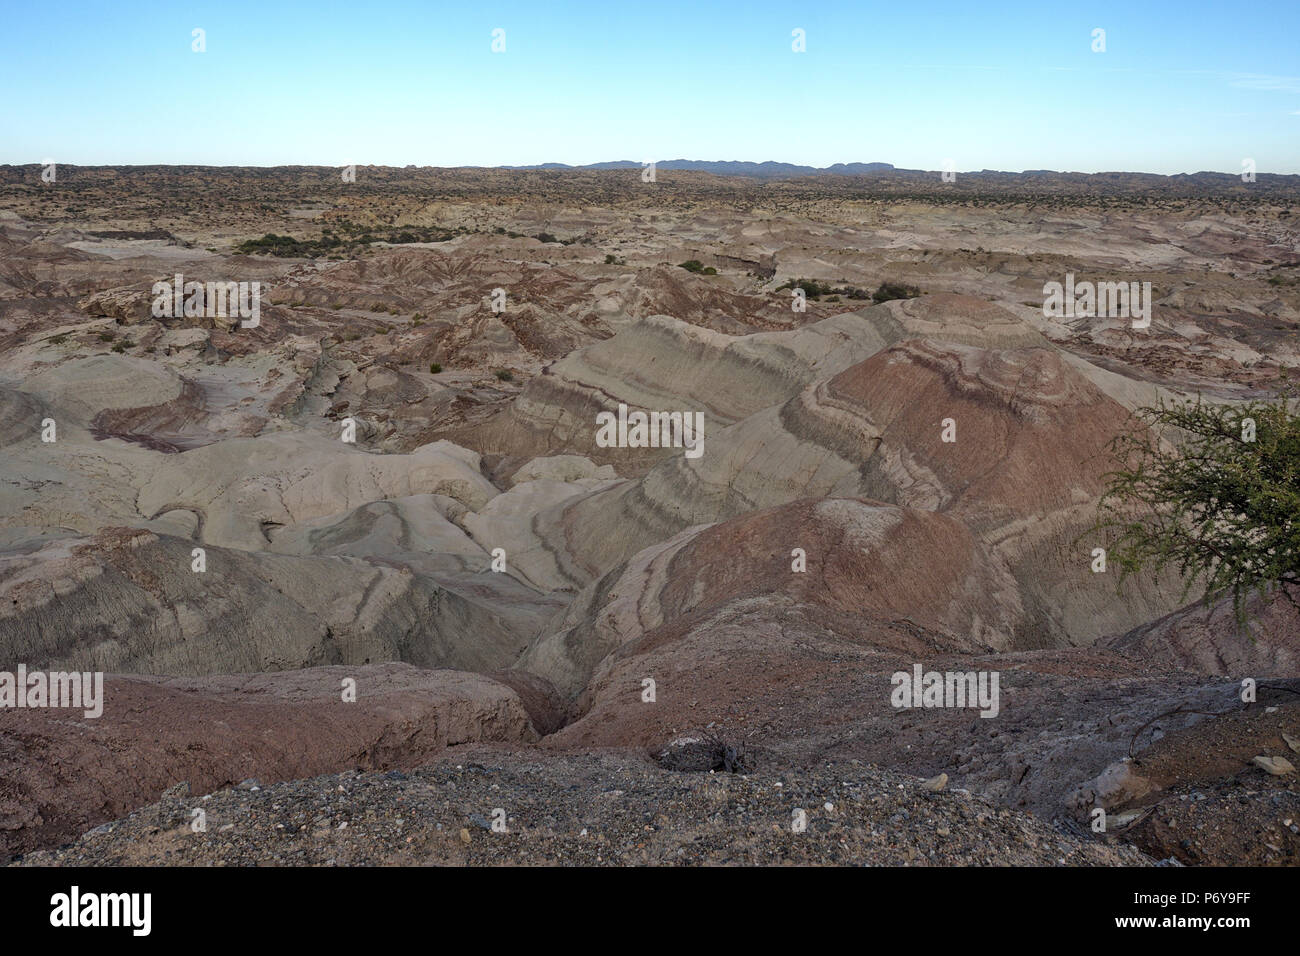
(894, 290)
(435, 368)
(815, 290)
(1223, 507)
(505, 375)
(329, 243)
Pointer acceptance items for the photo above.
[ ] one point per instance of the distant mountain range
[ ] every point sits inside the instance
(767, 170)
(841, 179)
(774, 170)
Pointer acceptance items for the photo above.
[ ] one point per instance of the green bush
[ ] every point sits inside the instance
(505, 375)
(1193, 491)
(815, 290)
(435, 368)
(287, 246)
(894, 290)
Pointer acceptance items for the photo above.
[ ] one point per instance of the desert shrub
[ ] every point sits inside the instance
(273, 245)
(894, 290)
(1196, 489)
(815, 290)
(329, 244)
(435, 368)
(505, 375)
(691, 265)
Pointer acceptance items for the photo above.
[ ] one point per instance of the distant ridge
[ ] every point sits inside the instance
(842, 179)
(771, 170)
(734, 167)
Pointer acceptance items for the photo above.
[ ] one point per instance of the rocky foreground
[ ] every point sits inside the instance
(590, 810)
(415, 770)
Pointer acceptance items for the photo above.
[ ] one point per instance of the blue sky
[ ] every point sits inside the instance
(1182, 86)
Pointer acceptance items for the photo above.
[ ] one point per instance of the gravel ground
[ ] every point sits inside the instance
(602, 809)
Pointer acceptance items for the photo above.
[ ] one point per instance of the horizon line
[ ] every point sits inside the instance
(883, 168)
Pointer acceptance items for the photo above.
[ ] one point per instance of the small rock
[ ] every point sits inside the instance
(1125, 818)
(1277, 766)
(464, 835)
(936, 783)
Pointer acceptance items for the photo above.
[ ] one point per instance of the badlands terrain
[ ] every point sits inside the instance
(635, 654)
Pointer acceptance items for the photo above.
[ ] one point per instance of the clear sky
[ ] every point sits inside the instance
(1184, 85)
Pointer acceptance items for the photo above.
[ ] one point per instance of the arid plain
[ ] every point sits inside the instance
(563, 650)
